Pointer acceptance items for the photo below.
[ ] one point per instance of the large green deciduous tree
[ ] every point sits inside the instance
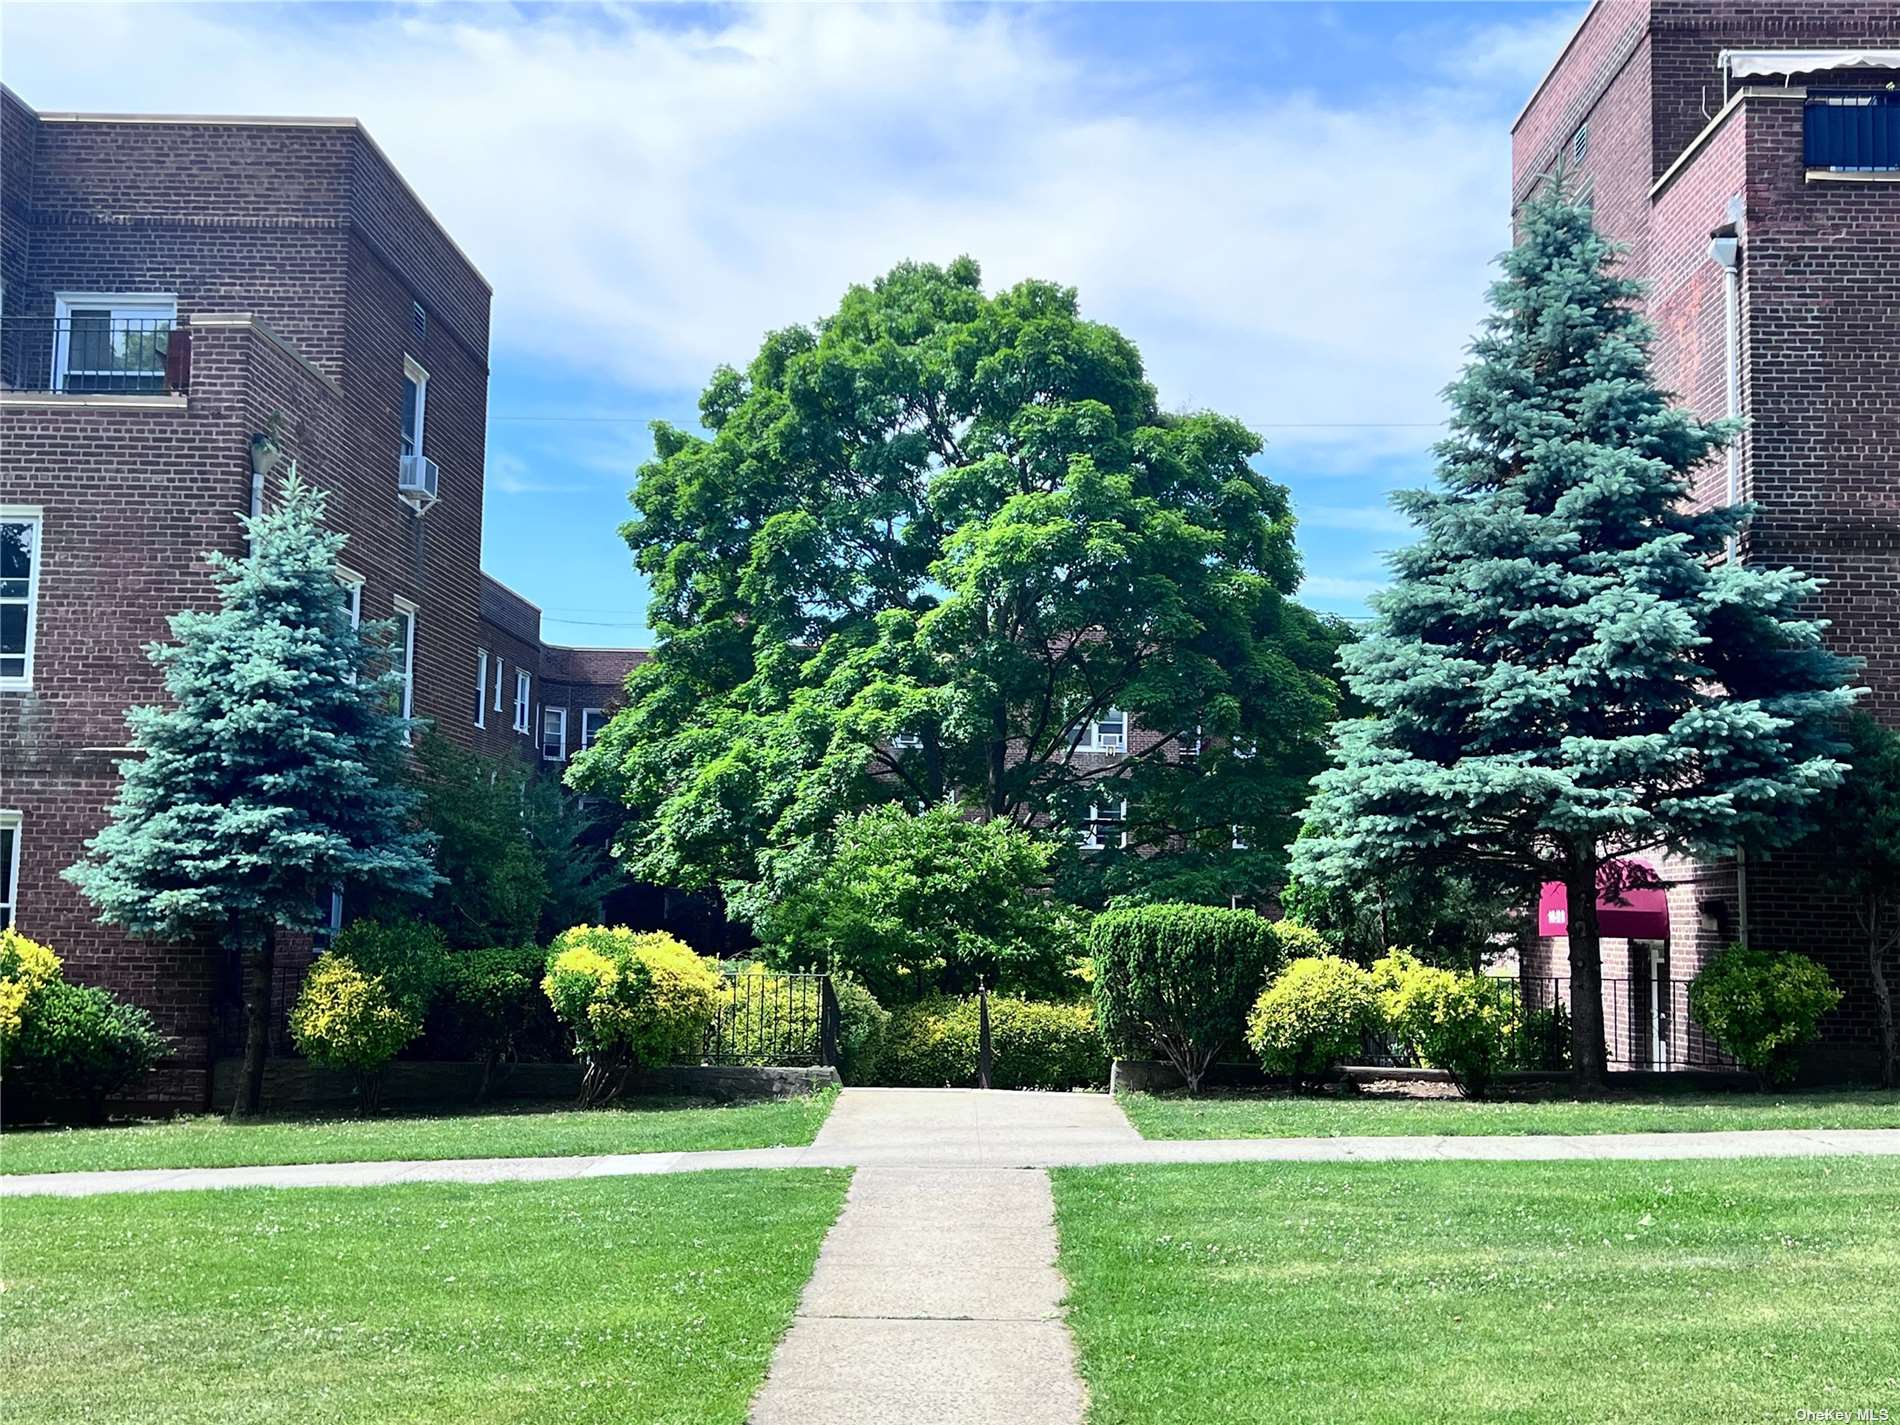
(1568, 670)
(277, 772)
(921, 546)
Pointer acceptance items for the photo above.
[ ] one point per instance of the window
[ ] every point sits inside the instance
(1239, 842)
(1114, 817)
(406, 631)
(9, 865)
(19, 593)
(905, 741)
(352, 586)
(554, 734)
(521, 701)
(1191, 744)
(415, 403)
(1852, 130)
(330, 911)
(481, 687)
(1245, 747)
(498, 683)
(111, 343)
(1107, 733)
(592, 721)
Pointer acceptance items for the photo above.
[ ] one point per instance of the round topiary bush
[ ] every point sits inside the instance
(346, 1019)
(1177, 979)
(628, 999)
(1463, 1024)
(1763, 1006)
(1313, 1015)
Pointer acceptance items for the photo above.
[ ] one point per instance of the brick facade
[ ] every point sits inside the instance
(1674, 150)
(305, 272)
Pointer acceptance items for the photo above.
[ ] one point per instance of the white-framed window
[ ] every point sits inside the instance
(1107, 733)
(330, 907)
(1106, 820)
(497, 682)
(481, 687)
(554, 734)
(907, 741)
(522, 688)
(1245, 747)
(1192, 744)
(9, 866)
(21, 527)
(351, 583)
(1239, 842)
(112, 343)
(415, 405)
(406, 633)
(592, 721)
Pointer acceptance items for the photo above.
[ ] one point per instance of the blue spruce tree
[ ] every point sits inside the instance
(277, 773)
(1571, 667)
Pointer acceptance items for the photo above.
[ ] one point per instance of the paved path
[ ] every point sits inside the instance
(966, 1129)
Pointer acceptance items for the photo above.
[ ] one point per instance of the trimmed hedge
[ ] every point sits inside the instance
(347, 1019)
(63, 1044)
(1464, 1024)
(1763, 1006)
(1315, 1014)
(1034, 1044)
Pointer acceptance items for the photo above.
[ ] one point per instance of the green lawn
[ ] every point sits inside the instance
(531, 1131)
(1264, 1115)
(1405, 1294)
(632, 1299)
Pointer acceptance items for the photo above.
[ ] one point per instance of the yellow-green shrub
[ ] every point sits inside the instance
(1314, 1014)
(25, 967)
(345, 1019)
(629, 998)
(1763, 1006)
(1034, 1044)
(1463, 1024)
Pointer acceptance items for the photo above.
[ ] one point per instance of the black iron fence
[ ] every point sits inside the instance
(772, 1017)
(94, 355)
(1646, 1025)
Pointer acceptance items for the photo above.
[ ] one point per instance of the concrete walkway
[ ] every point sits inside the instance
(966, 1129)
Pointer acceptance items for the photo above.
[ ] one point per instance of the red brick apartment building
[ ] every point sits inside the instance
(176, 292)
(1747, 154)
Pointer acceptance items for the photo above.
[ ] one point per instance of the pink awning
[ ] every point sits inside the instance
(1624, 912)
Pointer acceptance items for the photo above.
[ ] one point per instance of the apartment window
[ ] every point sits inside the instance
(592, 721)
(1107, 733)
(19, 593)
(406, 631)
(481, 687)
(9, 865)
(554, 734)
(415, 405)
(330, 910)
(521, 701)
(1192, 744)
(906, 741)
(498, 683)
(1109, 820)
(1239, 842)
(111, 343)
(1245, 747)
(352, 585)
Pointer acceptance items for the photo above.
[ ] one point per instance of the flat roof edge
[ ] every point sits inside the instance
(1555, 64)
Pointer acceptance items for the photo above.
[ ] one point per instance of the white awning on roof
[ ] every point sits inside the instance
(1744, 62)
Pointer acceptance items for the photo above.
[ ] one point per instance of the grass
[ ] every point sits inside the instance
(1405, 1294)
(652, 1299)
(1264, 1115)
(530, 1131)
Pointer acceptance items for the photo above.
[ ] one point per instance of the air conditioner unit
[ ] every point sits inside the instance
(417, 481)
(1109, 741)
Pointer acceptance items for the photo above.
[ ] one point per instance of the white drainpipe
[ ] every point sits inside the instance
(1726, 250)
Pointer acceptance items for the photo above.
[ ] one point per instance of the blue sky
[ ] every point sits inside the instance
(1288, 207)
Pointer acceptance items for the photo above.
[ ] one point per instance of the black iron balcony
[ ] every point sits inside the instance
(83, 355)
(1852, 130)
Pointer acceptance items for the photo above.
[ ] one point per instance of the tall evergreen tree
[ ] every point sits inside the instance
(1568, 670)
(276, 773)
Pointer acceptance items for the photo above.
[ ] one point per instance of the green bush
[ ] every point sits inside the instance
(410, 957)
(1177, 979)
(345, 1018)
(1034, 1044)
(1314, 1014)
(862, 1026)
(489, 1008)
(1301, 941)
(1463, 1024)
(26, 966)
(628, 1000)
(84, 1044)
(1762, 1006)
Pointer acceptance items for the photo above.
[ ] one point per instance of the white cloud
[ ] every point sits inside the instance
(648, 195)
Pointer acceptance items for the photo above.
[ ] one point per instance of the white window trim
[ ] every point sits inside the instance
(524, 687)
(588, 739)
(158, 303)
(416, 372)
(1239, 842)
(481, 687)
(1091, 739)
(1092, 833)
(352, 583)
(10, 908)
(498, 682)
(406, 612)
(547, 713)
(34, 515)
(907, 740)
(1190, 749)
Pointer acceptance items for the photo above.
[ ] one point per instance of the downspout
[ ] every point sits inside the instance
(1726, 249)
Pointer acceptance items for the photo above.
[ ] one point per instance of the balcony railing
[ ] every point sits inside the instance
(1852, 130)
(93, 356)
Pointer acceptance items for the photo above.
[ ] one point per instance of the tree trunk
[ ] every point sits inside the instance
(1588, 1063)
(1877, 945)
(258, 967)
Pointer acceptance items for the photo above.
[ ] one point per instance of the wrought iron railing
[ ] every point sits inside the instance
(95, 356)
(1852, 130)
(772, 1017)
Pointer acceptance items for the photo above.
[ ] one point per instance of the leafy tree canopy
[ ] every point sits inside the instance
(923, 543)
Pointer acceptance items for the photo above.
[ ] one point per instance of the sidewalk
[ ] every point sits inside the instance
(966, 1129)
